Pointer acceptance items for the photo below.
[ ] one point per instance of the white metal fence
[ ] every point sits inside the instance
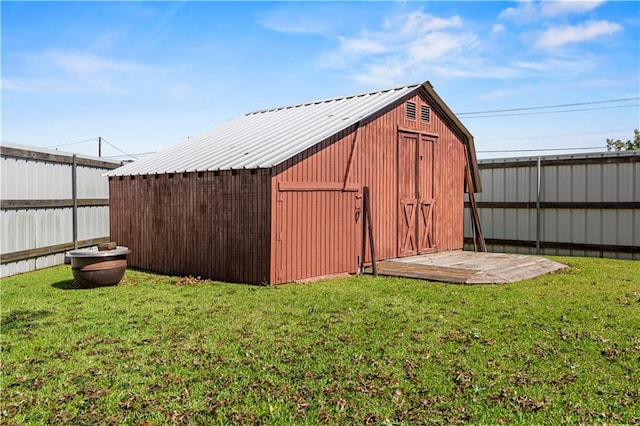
(50, 202)
(577, 205)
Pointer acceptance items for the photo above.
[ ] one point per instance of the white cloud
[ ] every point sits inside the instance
(70, 72)
(558, 65)
(420, 23)
(437, 45)
(379, 75)
(400, 49)
(565, 7)
(530, 11)
(59, 85)
(417, 45)
(362, 45)
(497, 29)
(525, 11)
(88, 63)
(284, 22)
(559, 36)
(26, 85)
(474, 68)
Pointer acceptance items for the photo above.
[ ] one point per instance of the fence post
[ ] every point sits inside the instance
(538, 216)
(366, 201)
(74, 195)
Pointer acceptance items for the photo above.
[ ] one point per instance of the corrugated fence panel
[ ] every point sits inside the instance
(93, 222)
(37, 206)
(91, 183)
(589, 205)
(27, 179)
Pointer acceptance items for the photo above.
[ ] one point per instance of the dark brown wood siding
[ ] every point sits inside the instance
(209, 224)
(363, 156)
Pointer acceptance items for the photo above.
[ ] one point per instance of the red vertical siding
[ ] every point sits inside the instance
(213, 225)
(310, 222)
(311, 242)
(319, 231)
(298, 220)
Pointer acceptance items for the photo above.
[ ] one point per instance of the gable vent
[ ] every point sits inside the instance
(411, 110)
(425, 113)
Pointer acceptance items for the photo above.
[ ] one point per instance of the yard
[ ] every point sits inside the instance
(168, 350)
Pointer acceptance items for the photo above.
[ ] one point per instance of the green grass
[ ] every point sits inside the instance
(563, 348)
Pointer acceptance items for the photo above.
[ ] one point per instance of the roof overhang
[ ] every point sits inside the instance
(462, 130)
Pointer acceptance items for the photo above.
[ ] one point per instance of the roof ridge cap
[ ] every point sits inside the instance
(320, 101)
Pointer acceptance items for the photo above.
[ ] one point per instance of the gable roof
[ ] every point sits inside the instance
(264, 139)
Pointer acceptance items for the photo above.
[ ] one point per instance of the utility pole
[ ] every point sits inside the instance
(99, 146)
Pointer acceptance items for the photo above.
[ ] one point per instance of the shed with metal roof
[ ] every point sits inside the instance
(277, 195)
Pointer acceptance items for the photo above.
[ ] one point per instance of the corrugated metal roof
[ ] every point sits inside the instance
(265, 138)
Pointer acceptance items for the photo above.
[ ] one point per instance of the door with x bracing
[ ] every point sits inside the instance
(415, 194)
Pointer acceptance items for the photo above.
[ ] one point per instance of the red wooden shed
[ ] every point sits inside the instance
(276, 196)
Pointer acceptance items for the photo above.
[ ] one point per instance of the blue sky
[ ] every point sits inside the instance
(146, 75)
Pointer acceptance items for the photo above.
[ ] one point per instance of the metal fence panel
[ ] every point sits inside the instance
(37, 206)
(91, 183)
(93, 221)
(589, 205)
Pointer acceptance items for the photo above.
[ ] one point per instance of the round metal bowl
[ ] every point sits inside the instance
(93, 268)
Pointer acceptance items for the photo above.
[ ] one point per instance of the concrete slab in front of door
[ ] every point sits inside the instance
(465, 267)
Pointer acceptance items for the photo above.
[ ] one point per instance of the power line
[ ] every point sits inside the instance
(115, 147)
(594, 133)
(130, 155)
(542, 149)
(72, 143)
(552, 112)
(93, 140)
(550, 106)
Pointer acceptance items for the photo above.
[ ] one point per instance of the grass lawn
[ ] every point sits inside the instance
(163, 350)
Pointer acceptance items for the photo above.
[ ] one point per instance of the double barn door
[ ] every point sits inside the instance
(415, 194)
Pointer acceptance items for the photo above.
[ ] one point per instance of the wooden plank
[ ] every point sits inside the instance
(416, 131)
(317, 186)
(24, 154)
(561, 162)
(356, 138)
(390, 268)
(48, 250)
(401, 265)
(51, 204)
(561, 245)
(470, 267)
(478, 238)
(623, 205)
(369, 216)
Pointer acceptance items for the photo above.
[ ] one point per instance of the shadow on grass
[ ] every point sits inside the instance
(21, 319)
(73, 285)
(67, 285)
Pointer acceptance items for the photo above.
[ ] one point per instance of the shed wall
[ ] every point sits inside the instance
(209, 224)
(373, 148)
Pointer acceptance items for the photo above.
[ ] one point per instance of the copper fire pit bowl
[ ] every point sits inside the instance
(94, 268)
